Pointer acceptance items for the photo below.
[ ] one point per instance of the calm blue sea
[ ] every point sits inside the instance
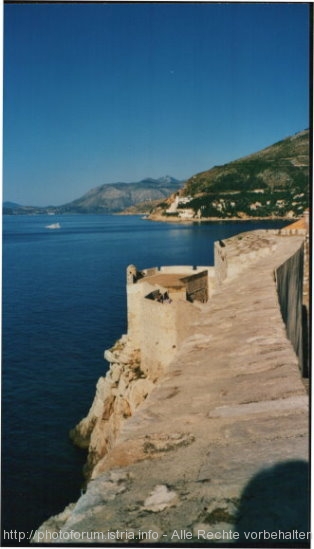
(63, 304)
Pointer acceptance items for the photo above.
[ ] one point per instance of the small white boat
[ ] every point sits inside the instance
(53, 226)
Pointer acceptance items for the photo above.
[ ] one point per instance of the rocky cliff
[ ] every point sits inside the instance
(218, 445)
(118, 395)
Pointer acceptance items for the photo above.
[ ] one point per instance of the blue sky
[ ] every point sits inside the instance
(101, 93)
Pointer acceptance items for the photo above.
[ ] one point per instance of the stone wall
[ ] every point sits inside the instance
(164, 327)
(156, 332)
(221, 262)
(135, 297)
(155, 328)
(197, 287)
(188, 270)
(289, 279)
(234, 254)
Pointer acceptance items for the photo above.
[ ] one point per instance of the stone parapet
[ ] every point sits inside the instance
(235, 254)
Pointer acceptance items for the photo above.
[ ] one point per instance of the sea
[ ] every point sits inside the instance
(63, 304)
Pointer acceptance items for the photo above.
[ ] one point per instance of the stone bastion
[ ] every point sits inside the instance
(200, 425)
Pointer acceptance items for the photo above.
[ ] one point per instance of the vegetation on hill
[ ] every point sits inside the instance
(273, 182)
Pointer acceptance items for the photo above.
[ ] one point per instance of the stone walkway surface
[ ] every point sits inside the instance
(222, 441)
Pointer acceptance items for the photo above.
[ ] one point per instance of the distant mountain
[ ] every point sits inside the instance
(273, 182)
(116, 197)
(11, 205)
(112, 198)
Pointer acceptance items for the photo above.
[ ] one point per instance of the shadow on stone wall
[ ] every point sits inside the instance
(306, 342)
(276, 500)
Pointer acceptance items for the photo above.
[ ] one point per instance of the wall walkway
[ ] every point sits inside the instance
(222, 441)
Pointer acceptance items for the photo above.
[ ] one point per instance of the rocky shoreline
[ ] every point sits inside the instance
(118, 394)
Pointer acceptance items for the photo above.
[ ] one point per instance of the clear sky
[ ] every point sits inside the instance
(101, 93)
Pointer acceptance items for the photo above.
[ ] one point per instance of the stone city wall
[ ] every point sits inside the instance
(197, 287)
(156, 328)
(135, 297)
(164, 327)
(289, 280)
(234, 254)
(220, 441)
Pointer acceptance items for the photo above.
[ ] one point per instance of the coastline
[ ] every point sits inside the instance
(176, 219)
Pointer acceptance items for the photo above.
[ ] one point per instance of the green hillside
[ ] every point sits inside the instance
(273, 182)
